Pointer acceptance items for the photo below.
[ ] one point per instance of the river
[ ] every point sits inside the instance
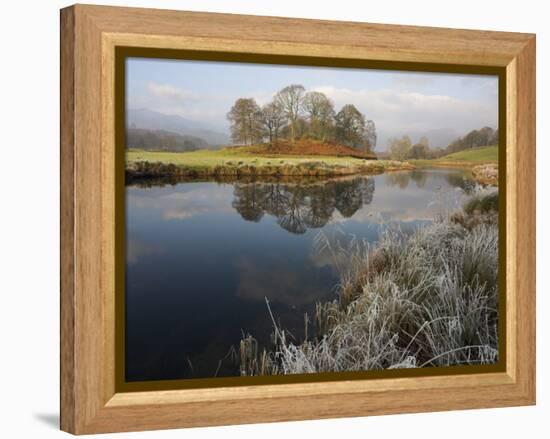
(202, 257)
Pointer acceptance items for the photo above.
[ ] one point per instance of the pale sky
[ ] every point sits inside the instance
(400, 103)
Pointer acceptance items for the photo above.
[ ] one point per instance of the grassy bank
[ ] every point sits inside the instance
(467, 158)
(240, 162)
(487, 154)
(419, 300)
(483, 163)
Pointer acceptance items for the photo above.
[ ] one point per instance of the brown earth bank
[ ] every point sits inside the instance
(305, 147)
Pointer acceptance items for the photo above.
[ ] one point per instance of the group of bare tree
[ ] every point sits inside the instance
(485, 136)
(294, 113)
(402, 148)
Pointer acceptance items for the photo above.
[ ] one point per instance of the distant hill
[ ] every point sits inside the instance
(160, 140)
(482, 154)
(153, 120)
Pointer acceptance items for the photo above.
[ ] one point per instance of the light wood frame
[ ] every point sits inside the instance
(89, 36)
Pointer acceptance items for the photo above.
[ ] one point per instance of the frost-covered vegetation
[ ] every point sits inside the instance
(429, 298)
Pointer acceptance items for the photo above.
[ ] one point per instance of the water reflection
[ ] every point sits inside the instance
(299, 207)
(461, 180)
(201, 256)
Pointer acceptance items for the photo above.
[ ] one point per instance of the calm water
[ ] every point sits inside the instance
(203, 256)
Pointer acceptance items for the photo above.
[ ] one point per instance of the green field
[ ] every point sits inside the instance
(237, 160)
(487, 154)
(466, 158)
(210, 158)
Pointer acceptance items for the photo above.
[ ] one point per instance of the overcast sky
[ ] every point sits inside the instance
(435, 104)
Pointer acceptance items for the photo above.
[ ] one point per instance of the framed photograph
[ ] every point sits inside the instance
(267, 219)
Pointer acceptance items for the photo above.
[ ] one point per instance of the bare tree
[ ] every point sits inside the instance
(370, 135)
(273, 119)
(290, 99)
(485, 136)
(400, 147)
(419, 151)
(350, 126)
(246, 121)
(293, 113)
(320, 113)
(494, 138)
(474, 139)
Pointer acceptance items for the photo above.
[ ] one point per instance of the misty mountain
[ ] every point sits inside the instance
(160, 140)
(153, 120)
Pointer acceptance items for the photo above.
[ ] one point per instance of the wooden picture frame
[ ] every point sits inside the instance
(90, 37)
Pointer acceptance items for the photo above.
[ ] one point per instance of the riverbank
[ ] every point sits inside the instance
(424, 299)
(227, 162)
(464, 159)
(482, 162)
(245, 162)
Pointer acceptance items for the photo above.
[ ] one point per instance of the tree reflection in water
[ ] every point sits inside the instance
(299, 207)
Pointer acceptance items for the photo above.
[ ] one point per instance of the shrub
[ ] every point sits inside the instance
(429, 298)
(482, 202)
